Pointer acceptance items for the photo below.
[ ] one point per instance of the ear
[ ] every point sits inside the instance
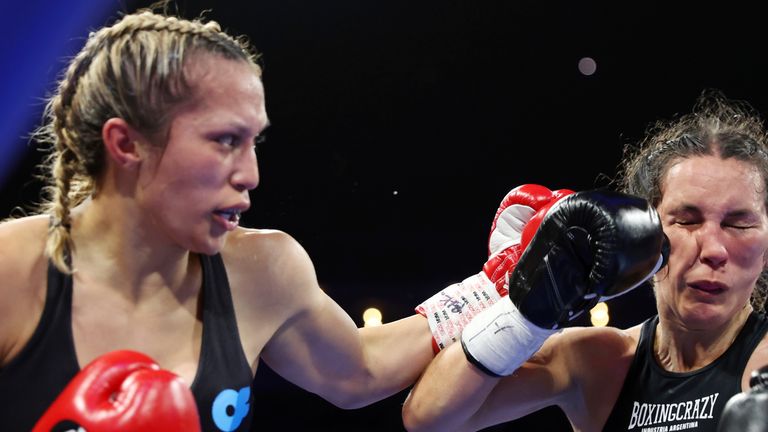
(121, 142)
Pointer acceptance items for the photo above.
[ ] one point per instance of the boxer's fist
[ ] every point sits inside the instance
(517, 218)
(595, 245)
(123, 391)
(591, 246)
(748, 411)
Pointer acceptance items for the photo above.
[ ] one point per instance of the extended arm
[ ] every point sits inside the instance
(320, 348)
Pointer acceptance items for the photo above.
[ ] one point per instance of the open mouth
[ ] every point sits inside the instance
(232, 216)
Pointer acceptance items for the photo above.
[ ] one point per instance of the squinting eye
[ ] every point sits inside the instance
(227, 140)
(739, 227)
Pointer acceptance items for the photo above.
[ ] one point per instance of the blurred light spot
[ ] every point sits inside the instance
(371, 317)
(394, 192)
(587, 66)
(599, 315)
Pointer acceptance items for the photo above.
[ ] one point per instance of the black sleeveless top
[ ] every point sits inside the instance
(222, 386)
(653, 399)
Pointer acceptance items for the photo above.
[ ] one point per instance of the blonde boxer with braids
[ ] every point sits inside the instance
(152, 131)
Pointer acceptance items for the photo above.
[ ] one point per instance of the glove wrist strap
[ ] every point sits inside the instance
(500, 339)
(449, 311)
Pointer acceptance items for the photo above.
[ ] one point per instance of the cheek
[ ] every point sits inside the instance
(194, 173)
(683, 249)
(749, 253)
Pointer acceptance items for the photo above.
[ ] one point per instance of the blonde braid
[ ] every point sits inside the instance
(63, 164)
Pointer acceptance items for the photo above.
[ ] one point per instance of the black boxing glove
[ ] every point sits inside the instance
(590, 247)
(748, 411)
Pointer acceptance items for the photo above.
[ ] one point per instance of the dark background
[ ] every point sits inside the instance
(397, 126)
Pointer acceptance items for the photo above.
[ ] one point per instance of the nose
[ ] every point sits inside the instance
(246, 173)
(712, 249)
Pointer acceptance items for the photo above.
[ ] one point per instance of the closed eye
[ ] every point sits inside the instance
(229, 140)
(685, 223)
(738, 227)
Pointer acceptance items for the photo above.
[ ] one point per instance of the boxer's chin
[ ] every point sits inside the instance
(212, 244)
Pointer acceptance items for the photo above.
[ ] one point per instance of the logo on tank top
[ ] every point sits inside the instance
(667, 417)
(230, 408)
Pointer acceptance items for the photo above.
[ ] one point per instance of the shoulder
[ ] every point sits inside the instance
(589, 356)
(579, 346)
(22, 244)
(23, 280)
(272, 251)
(593, 363)
(269, 265)
(25, 229)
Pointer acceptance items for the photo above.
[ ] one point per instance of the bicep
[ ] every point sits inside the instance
(324, 352)
(308, 339)
(318, 349)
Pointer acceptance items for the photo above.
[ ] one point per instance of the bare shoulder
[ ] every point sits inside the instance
(580, 355)
(22, 246)
(594, 345)
(268, 264)
(260, 250)
(594, 362)
(23, 275)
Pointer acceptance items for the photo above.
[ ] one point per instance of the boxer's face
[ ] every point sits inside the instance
(195, 188)
(713, 212)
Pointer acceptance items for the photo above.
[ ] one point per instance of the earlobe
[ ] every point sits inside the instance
(121, 142)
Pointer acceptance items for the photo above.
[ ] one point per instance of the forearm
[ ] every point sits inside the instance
(449, 394)
(396, 353)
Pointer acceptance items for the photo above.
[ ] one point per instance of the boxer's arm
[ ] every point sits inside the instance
(453, 395)
(320, 348)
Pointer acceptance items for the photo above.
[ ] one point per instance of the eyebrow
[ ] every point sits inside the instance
(692, 209)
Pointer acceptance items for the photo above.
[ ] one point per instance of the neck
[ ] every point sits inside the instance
(682, 349)
(114, 246)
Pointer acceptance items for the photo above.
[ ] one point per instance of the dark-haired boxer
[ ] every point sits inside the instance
(707, 175)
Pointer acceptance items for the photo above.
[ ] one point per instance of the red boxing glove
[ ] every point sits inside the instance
(516, 221)
(123, 391)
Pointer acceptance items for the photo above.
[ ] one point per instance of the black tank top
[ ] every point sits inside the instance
(222, 386)
(653, 399)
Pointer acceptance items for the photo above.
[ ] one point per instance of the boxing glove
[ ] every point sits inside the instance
(122, 391)
(591, 246)
(519, 214)
(748, 411)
